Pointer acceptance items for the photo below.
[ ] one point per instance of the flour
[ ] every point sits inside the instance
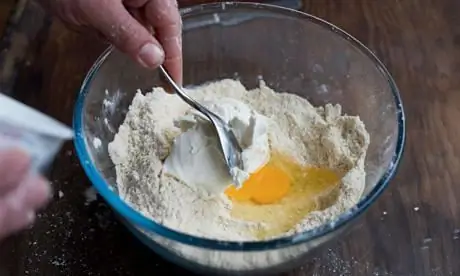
(196, 157)
(312, 136)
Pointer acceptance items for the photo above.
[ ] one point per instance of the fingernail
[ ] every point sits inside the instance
(151, 56)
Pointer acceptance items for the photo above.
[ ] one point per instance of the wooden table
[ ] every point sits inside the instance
(413, 229)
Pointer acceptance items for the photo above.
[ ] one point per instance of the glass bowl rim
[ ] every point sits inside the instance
(147, 224)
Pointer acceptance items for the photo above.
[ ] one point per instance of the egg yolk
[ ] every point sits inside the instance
(282, 193)
(268, 185)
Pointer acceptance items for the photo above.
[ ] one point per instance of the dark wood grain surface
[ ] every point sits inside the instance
(5, 9)
(414, 227)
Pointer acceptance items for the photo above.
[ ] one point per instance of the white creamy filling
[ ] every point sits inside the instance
(196, 157)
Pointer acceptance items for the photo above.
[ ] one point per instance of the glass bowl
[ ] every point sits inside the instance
(293, 52)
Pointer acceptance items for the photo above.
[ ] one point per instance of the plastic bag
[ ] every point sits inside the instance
(34, 132)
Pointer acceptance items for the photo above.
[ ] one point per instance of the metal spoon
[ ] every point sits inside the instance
(229, 144)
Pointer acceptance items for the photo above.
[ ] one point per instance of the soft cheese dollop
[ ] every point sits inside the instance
(196, 157)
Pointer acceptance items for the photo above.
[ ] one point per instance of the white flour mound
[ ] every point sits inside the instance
(319, 136)
(315, 136)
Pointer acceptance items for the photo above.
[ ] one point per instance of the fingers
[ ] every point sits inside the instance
(165, 18)
(113, 20)
(17, 208)
(21, 193)
(135, 3)
(36, 192)
(139, 15)
(14, 166)
(14, 220)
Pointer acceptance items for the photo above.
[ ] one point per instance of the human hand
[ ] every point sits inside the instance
(21, 194)
(127, 24)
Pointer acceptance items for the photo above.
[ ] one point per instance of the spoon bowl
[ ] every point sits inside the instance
(230, 146)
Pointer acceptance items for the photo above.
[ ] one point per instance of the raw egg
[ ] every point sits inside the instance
(267, 185)
(282, 193)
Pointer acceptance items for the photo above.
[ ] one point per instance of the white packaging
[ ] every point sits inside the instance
(35, 133)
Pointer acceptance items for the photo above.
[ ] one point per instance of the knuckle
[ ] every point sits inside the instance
(163, 12)
(128, 35)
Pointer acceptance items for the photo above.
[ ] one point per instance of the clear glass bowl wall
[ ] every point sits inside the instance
(293, 52)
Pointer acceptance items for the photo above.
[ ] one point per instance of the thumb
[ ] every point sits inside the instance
(124, 32)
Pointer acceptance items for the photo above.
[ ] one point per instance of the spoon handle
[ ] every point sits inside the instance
(187, 98)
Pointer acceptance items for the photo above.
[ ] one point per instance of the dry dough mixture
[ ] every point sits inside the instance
(318, 136)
